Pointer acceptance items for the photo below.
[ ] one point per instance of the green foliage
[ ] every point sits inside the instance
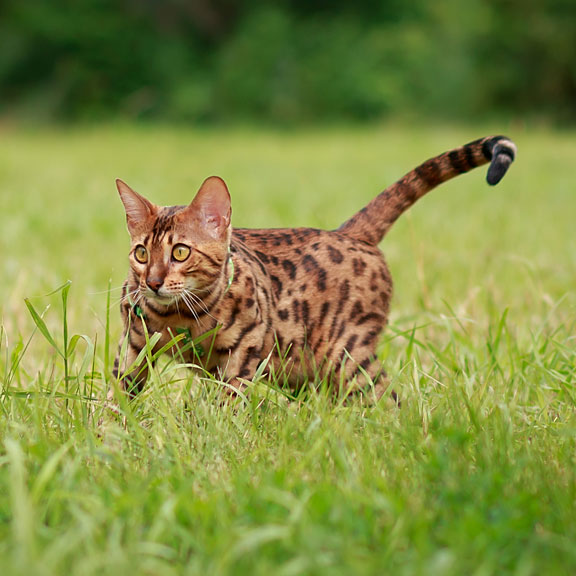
(288, 62)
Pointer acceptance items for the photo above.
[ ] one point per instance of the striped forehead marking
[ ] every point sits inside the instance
(164, 225)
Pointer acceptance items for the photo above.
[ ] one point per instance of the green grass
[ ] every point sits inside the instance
(474, 474)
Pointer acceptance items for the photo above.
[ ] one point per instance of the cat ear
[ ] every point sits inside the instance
(212, 206)
(138, 209)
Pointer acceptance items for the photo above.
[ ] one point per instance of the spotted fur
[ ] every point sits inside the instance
(310, 303)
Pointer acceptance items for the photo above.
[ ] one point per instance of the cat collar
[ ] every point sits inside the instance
(231, 276)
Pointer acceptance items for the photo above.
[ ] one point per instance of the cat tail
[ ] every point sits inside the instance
(372, 223)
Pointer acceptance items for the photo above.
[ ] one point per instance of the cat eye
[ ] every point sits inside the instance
(180, 252)
(141, 254)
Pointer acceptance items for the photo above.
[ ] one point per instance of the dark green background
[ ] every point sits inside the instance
(288, 62)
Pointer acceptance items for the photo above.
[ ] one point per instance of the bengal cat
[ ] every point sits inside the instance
(309, 304)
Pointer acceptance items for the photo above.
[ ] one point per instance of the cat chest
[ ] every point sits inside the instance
(208, 341)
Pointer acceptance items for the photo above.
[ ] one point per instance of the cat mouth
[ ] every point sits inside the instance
(164, 299)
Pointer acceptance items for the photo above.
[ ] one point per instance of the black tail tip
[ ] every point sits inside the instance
(503, 152)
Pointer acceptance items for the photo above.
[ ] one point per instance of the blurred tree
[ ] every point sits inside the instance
(287, 61)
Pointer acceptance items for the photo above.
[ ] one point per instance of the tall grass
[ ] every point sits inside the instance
(474, 474)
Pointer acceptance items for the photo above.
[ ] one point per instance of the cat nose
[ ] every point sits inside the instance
(154, 283)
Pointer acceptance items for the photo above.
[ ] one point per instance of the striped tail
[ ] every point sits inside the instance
(373, 222)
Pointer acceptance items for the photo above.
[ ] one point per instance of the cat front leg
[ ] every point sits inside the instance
(131, 378)
(240, 367)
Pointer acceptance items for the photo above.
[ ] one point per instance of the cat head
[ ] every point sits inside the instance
(178, 250)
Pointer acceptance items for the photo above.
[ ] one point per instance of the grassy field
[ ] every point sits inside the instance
(475, 474)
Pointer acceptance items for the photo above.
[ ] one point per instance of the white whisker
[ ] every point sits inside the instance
(99, 292)
(197, 300)
(190, 305)
(176, 301)
(134, 294)
(126, 297)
